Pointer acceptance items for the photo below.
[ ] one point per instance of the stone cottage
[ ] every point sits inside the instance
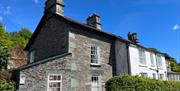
(66, 55)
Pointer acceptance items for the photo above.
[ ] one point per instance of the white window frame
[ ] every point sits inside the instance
(154, 76)
(49, 81)
(144, 74)
(142, 57)
(98, 84)
(31, 56)
(159, 61)
(152, 59)
(96, 55)
(161, 76)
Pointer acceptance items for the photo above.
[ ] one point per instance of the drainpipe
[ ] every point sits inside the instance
(128, 59)
(166, 76)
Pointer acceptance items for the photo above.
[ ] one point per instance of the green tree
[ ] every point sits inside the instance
(175, 66)
(3, 58)
(20, 38)
(25, 33)
(5, 44)
(4, 39)
(11, 40)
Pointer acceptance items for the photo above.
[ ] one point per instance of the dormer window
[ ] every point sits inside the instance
(95, 55)
(31, 56)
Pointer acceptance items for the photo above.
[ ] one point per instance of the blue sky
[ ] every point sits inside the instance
(157, 22)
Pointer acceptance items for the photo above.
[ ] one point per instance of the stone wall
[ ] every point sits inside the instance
(37, 76)
(80, 43)
(57, 37)
(52, 39)
(18, 57)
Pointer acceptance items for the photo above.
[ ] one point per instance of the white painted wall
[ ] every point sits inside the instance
(137, 68)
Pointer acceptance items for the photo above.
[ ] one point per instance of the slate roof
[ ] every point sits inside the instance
(43, 61)
(88, 28)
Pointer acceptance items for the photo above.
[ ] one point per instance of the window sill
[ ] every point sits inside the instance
(95, 65)
(161, 68)
(142, 65)
(155, 69)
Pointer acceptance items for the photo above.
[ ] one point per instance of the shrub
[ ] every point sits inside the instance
(135, 83)
(5, 75)
(5, 81)
(4, 85)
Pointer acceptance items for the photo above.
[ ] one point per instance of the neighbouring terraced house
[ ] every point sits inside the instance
(171, 75)
(66, 55)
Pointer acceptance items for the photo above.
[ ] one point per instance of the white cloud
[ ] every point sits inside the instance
(7, 10)
(1, 18)
(36, 1)
(176, 27)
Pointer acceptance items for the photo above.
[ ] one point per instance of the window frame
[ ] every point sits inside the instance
(159, 61)
(161, 76)
(32, 56)
(142, 57)
(99, 83)
(96, 55)
(152, 59)
(154, 76)
(48, 81)
(144, 74)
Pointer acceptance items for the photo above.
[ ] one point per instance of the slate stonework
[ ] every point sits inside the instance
(37, 76)
(56, 35)
(80, 47)
(78, 71)
(52, 38)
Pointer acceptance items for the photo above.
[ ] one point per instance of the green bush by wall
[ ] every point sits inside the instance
(6, 86)
(135, 83)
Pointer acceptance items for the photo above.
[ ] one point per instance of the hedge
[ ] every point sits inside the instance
(135, 83)
(6, 86)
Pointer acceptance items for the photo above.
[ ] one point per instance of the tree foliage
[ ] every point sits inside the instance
(20, 38)
(5, 44)
(4, 55)
(5, 41)
(6, 86)
(175, 66)
(11, 40)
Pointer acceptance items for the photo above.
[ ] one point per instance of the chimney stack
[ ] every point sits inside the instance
(55, 7)
(133, 37)
(94, 21)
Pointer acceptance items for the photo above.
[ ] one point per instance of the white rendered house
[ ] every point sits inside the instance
(148, 63)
